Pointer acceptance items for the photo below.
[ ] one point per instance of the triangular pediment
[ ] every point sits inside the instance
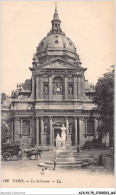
(59, 64)
(57, 124)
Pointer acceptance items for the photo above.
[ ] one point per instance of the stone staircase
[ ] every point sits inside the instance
(68, 158)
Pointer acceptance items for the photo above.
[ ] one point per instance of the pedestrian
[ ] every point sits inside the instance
(78, 149)
(100, 161)
(46, 170)
(54, 164)
(42, 172)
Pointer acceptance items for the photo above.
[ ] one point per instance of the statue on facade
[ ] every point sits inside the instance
(45, 129)
(63, 135)
(70, 90)
(58, 141)
(45, 90)
(13, 94)
(68, 143)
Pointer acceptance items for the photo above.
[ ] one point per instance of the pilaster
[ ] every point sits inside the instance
(65, 87)
(75, 121)
(50, 120)
(33, 87)
(67, 128)
(37, 88)
(37, 131)
(75, 87)
(50, 87)
(42, 130)
(82, 86)
(79, 87)
(41, 87)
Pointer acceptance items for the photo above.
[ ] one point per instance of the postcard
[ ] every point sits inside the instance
(57, 94)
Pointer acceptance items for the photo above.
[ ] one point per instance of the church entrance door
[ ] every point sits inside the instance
(56, 131)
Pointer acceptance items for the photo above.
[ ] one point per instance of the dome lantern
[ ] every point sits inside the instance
(56, 22)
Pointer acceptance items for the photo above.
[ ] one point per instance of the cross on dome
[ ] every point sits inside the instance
(55, 7)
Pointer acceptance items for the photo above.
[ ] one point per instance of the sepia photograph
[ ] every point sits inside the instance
(57, 94)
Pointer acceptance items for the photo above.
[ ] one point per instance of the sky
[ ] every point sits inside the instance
(89, 24)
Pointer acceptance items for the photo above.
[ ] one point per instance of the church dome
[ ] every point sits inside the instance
(56, 41)
(56, 45)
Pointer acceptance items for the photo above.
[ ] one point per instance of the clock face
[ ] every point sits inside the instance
(58, 89)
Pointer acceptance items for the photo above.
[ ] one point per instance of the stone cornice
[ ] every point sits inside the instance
(74, 65)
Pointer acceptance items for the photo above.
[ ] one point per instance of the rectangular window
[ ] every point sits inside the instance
(90, 126)
(26, 127)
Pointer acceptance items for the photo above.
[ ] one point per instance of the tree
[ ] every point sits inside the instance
(104, 99)
(5, 119)
(5, 131)
(3, 97)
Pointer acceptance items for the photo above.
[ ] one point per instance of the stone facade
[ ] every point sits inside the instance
(57, 94)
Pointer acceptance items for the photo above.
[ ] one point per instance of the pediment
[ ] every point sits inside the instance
(58, 64)
(57, 124)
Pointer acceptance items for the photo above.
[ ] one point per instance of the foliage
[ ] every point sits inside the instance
(3, 97)
(5, 130)
(104, 99)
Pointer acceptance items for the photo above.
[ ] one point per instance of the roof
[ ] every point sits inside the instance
(56, 41)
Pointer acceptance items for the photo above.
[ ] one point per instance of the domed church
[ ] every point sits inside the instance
(57, 94)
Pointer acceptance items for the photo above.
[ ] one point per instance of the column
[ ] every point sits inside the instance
(42, 130)
(37, 88)
(65, 88)
(75, 87)
(79, 87)
(33, 131)
(33, 87)
(21, 127)
(41, 87)
(96, 127)
(67, 128)
(21, 130)
(17, 128)
(53, 136)
(30, 132)
(37, 131)
(50, 119)
(82, 86)
(82, 131)
(50, 87)
(75, 131)
(12, 130)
